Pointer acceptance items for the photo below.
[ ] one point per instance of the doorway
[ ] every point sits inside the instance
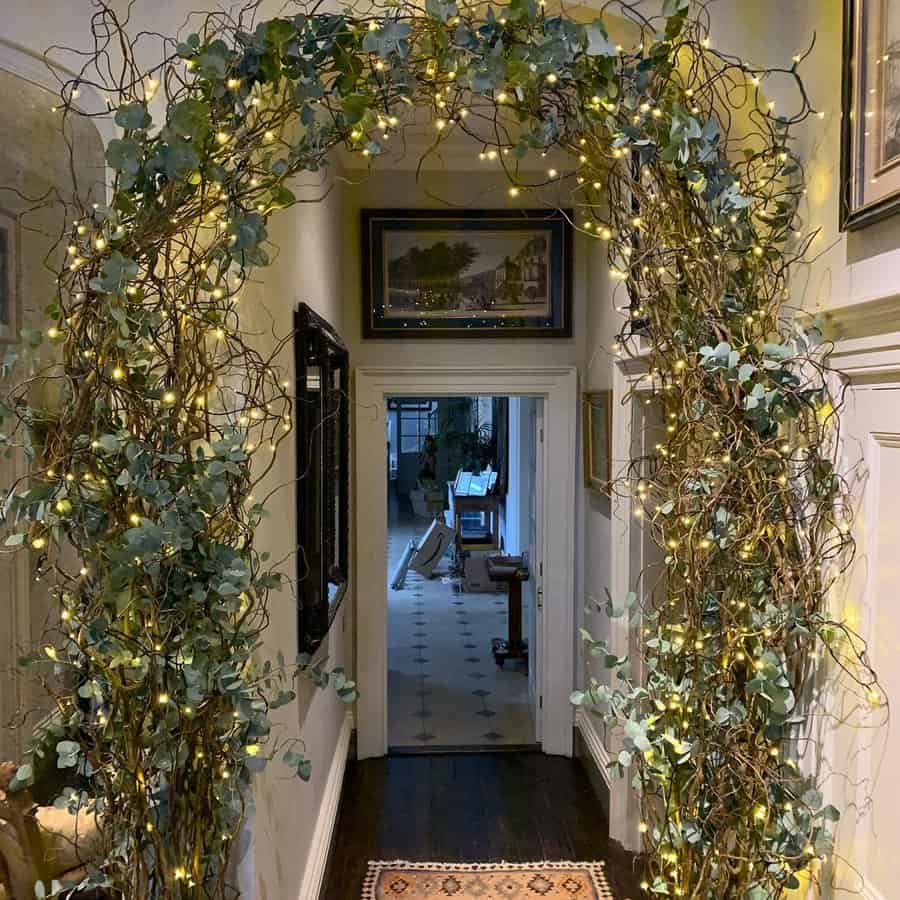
(552, 683)
(464, 572)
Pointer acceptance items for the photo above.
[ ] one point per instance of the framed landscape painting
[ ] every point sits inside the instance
(870, 125)
(470, 273)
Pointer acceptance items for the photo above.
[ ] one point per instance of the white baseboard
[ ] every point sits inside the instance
(317, 860)
(585, 723)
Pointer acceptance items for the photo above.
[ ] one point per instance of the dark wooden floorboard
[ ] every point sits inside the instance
(517, 807)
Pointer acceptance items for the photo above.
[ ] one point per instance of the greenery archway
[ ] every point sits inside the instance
(158, 417)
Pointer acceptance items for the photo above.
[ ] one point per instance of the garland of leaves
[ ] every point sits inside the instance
(163, 417)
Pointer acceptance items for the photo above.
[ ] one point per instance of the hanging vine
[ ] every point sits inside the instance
(159, 416)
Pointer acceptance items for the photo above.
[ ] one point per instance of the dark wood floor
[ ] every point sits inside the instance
(516, 807)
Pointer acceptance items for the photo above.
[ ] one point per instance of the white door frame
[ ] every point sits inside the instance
(536, 540)
(558, 386)
(628, 374)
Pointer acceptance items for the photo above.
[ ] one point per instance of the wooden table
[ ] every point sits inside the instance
(489, 505)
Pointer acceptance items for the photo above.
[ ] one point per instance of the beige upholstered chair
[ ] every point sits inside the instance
(39, 842)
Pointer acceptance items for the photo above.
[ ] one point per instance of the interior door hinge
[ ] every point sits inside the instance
(542, 435)
(541, 702)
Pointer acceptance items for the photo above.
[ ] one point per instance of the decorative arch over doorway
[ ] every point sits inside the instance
(163, 415)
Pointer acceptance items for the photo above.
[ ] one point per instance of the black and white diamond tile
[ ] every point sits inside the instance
(441, 670)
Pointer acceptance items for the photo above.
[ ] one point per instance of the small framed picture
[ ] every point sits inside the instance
(597, 440)
(466, 273)
(870, 124)
(10, 311)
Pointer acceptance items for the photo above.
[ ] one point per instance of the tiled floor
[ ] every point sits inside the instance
(444, 688)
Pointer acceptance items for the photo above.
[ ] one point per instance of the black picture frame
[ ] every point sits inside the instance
(852, 217)
(510, 322)
(322, 372)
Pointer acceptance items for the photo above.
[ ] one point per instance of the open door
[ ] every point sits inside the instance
(533, 589)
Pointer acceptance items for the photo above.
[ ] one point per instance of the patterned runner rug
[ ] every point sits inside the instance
(486, 881)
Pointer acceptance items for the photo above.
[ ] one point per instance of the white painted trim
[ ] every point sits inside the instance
(873, 279)
(867, 338)
(585, 723)
(868, 360)
(558, 386)
(867, 353)
(326, 821)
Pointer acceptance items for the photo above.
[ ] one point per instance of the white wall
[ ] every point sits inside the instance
(603, 322)
(515, 493)
(308, 268)
(855, 278)
(594, 321)
(478, 189)
(520, 494)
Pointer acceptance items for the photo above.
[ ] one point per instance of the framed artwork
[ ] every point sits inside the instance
(10, 309)
(597, 440)
(323, 474)
(870, 124)
(466, 273)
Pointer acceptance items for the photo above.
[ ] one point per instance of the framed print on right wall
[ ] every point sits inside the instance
(870, 124)
(597, 439)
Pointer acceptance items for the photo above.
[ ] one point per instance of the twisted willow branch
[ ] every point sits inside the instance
(163, 416)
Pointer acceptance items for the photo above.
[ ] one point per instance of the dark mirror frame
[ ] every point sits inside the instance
(322, 372)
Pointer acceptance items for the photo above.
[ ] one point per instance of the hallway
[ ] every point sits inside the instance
(488, 807)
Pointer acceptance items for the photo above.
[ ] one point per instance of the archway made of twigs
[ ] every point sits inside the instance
(165, 416)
